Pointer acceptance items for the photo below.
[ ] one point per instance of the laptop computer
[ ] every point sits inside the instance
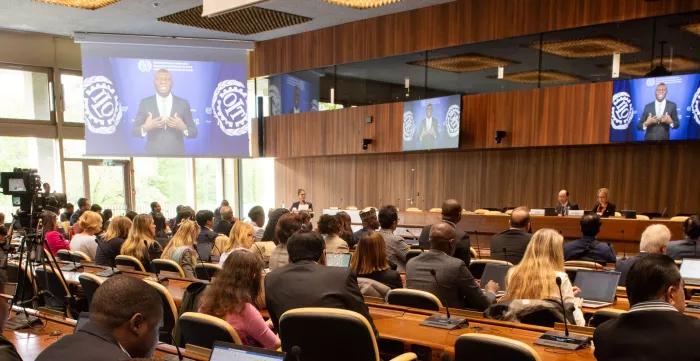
(497, 273)
(597, 287)
(690, 271)
(224, 351)
(550, 211)
(338, 259)
(629, 214)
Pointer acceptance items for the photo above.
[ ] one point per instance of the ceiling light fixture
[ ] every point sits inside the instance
(544, 77)
(464, 63)
(362, 4)
(641, 68)
(692, 28)
(81, 4)
(586, 48)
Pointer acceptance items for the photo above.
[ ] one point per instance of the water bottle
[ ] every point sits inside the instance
(283, 206)
(568, 208)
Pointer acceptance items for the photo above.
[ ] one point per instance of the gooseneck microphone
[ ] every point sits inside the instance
(447, 307)
(340, 203)
(108, 272)
(296, 351)
(563, 309)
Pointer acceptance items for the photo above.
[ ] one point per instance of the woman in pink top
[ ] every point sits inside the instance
(231, 297)
(54, 239)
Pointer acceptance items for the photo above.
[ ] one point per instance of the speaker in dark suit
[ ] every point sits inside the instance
(451, 214)
(659, 116)
(428, 129)
(164, 119)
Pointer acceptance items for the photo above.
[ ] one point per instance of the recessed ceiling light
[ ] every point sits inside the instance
(586, 48)
(81, 4)
(362, 4)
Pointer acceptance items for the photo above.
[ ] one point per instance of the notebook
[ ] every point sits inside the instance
(224, 351)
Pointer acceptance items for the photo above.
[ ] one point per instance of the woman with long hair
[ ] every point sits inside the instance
(111, 242)
(241, 238)
(143, 229)
(54, 239)
(90, 224)
(345, 228)
(369, 261)
(286, 226)
(273, 217)
(534, 278)
(181, 247)
(232, 295)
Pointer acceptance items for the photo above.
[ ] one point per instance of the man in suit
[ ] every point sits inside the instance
(654, 240)
(687, 248)
(217, 212)
(83, 205)
(428, 129)
(164, 119)
(451, 214)
(588, 248)
(659, 116)
(206, 237)
(158, 219)
(65, 216)
(296, 109)
(655, 327)
(125, 318)
(455, 284)
(224, 226)
(307, 282)
(510, 245)
(565, 204)
(369, 223)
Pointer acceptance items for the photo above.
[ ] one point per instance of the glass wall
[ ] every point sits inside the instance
(209, 183)
(72, 84)
(168, 181)
(24, 93)
(257, 178)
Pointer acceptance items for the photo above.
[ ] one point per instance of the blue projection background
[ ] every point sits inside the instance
(115, 89)
(443, 131)
(630, 97)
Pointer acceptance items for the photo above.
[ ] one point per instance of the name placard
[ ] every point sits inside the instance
(576, 213)
(537, 212)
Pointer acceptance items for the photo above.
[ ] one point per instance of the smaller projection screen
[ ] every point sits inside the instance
(432, 123)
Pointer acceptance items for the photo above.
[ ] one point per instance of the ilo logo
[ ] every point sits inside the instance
(409, 126)
(622, 111)
(102, 109)
(145, 65)
(229, 107)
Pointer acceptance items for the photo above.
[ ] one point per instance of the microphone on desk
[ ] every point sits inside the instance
(447, 307)
(172, 339)
(340, 203)
(664, 213)
(296, 351)
(438, 320)
(415, 238)
(150, 261)
(108, 272)
(563, 309)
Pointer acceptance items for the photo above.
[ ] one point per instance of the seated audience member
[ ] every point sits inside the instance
(565, 204)
(655, 327)
(226, 222)
(83, 206)
(181, 250)
(217, 211)
(534, 278)
(205, 219)
(603, 208)
(96, 208)
(131, 215)
(273, 217)
(7, 349)
(305, 217)
(515, 240)
(106, 217)
(687, 248)
(172, 222)
(458, 285)
(231, 297)
(141, 243)
(125, 318)
(328, 226)
(110, 243)
(240, 238)
(184, 214)
(451, 214)
(588, 248)
(54, 239)
(654, 240)
(256, 217)
(5, 247)
(286, 226)
(90, 224)
(65, 216)
(307, 282)
(369, 223)
(370, 261)
(396, 247)
(345, 228)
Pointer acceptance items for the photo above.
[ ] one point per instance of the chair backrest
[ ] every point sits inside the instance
(372, 288)
(66, 226)
(435, 210)
(643, 217)
(129, 261)
(679, 218)
(494, 213)
(509, 212)
(168, 266)
(206, 271)
(584, 264)
(414, 299)
(618, 214)
(80, 256)
(64, 255)
(169, 311)
(351, 208)
(17, 274)
(414, 209)
(413, 253)
(89, 283)
(482, 347)
(477, 266)
(480, 211)
(321, 332)
(202, 330)
(571, 272)
(604, 315)
(57, 299)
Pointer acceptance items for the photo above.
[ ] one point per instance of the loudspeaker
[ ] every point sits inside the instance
(365, 143)
(368, 119)
(500, 134)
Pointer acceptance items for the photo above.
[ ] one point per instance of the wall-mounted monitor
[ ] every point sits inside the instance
(432, 123)
(656, 109)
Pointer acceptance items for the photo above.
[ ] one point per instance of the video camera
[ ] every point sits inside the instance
(25, 187)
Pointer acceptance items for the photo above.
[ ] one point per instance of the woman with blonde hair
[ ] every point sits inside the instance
(369, 261)
(141, 243)
(603, 207)
(111, 242)
(241, 237)
(534, 278)
(181, 247)
(90, 224)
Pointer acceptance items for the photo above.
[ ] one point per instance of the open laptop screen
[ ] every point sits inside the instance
(223, 351)
(597, 285)
(690, 268)
(338, 259)
(494, 272)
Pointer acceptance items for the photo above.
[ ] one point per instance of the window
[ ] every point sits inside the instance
(167, 181)
(230, 184)
(209, 183)
(257, 177)
(24, 93)
(72, 84)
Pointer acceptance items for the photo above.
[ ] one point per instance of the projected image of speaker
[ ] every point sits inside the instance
(432, 123)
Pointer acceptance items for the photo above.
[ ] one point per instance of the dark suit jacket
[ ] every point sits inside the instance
(7, 350)
(223, 227)
(624, 265)
(515, 242)
(458, 286)
(589, 249)
(92, 342)
(462, 251)
(164, 141)
(609, 210)
(659, 131)
(561, 209)
(388, 277)
(648, 335)
(296, 205)
(687, 248)
(307, 284)
(428, 141)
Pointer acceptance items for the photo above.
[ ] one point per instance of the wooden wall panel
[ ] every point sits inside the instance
(644, 177)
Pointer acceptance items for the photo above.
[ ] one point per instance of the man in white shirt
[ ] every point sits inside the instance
(429, 129)
(164, 119)
(659, 116)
